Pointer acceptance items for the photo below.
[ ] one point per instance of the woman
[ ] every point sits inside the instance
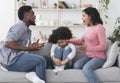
(93, 42)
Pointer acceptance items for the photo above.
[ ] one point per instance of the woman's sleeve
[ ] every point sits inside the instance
(77, 42)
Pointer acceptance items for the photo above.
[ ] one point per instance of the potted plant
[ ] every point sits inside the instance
(105, 4)
(116, 33)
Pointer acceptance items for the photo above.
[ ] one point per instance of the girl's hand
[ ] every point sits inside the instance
(63, 62)
(56, 61)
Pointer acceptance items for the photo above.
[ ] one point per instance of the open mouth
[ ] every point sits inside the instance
(83, 21)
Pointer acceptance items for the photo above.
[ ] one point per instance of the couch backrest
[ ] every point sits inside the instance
(44, 51)
(108, 45)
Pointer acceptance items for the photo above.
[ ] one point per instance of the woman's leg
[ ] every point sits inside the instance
(27, 62)
(89, 68)
(81, 62)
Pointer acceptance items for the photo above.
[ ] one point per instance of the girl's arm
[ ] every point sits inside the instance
(73, 52)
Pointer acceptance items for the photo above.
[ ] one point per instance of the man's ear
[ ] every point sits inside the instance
(26, 15)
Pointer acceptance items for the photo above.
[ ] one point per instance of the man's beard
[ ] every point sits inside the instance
(31, 22)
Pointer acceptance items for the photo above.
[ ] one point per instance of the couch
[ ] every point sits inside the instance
(106, 75)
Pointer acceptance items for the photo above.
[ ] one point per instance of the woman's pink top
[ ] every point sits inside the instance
(95, 39)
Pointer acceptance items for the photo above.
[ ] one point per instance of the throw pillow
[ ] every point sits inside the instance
(112, 54)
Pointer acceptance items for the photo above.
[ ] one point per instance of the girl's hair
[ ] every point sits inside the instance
(94, 14)
(61, 33)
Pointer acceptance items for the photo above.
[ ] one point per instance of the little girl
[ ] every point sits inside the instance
(62, 52)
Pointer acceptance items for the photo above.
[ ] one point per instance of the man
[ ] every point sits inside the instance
(13, 55)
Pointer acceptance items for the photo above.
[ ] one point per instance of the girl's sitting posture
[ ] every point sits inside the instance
(62, 52)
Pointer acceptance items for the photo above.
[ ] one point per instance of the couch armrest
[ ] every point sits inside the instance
(118, 61)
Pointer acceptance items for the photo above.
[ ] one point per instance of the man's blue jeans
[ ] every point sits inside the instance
(62, 54)
(28, 62)
(89, 65)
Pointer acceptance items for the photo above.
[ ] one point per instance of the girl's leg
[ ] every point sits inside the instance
(81, 62)
(66, 52)
(89, 68)
(58, 52)
(27, 62)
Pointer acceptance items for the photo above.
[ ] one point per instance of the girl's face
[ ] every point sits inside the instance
(62, 43)
(86, 19)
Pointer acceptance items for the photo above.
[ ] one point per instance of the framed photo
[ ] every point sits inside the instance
(44, 3)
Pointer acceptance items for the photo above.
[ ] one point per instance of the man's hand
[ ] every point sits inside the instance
(35, 46)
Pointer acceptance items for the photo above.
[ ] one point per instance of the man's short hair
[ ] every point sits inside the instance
(22, 10)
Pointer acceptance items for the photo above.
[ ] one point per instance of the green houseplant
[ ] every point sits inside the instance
(116, 33)
(105, 4)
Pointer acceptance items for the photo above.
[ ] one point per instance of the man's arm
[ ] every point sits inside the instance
(15, 46)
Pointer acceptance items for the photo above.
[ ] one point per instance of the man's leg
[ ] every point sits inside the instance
(27, 62)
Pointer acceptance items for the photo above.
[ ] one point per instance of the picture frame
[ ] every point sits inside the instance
(44, 3)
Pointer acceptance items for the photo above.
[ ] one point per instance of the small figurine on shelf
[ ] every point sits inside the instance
(21, 2)
(55, 5)
(44, 3)
(33, 5)
(62, 5)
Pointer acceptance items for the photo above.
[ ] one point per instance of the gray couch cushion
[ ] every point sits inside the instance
(66, 76)
(15, 77)
(109, 75)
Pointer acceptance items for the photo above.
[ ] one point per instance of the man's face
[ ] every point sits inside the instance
(31, 17)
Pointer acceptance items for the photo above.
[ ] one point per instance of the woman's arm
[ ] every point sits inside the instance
(77, 41)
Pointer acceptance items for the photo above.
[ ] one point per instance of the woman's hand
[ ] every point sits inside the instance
(82, 47)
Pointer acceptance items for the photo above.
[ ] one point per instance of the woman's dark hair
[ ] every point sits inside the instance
(22, 10)
(94, 14)
(61, 33)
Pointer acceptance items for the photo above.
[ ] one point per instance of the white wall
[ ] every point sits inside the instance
(113, 13)
(7, 16)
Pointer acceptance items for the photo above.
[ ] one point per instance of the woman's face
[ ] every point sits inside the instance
(62, 43)
(86, 19)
